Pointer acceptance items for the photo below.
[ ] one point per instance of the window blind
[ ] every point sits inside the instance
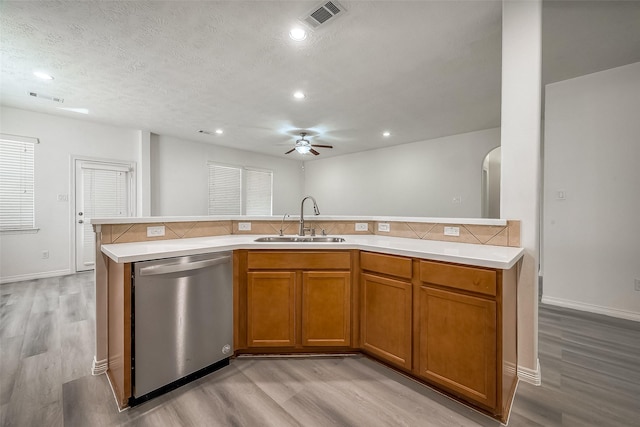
(225, 189)
(259, 188)
(17, 182)
(238, 191)
(105, 195)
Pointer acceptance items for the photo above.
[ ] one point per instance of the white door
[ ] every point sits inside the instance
(103, 189)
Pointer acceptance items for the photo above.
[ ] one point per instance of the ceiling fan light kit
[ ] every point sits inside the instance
(303, 146)
(303, 149)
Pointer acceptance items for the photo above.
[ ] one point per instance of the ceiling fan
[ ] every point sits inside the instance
(303, 146)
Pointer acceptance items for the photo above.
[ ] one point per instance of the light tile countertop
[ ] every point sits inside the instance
(500, 257)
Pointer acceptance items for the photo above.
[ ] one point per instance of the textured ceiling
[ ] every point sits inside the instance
(419, 69)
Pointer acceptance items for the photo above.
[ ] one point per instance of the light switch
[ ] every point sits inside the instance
(561, 195)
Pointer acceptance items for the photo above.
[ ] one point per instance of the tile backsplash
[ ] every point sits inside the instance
(508, 235)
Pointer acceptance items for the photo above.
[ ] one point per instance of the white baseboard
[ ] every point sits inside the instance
(33, 276)
(531, 376)
(591, 308)
(99, 367)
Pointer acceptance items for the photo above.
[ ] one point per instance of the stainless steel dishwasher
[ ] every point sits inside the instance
(182, 322)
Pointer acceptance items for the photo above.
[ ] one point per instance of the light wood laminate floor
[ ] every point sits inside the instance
(590, 371)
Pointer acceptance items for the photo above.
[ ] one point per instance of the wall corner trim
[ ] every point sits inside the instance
(531, 376)
(99, 367)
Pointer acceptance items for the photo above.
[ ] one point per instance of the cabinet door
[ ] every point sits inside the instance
(326, 308)
(271, 309)
(457, 343)
(386, 319)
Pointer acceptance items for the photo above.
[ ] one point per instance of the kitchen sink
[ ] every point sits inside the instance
(311, 239)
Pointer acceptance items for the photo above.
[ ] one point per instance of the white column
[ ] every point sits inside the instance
(520, 139)
(143, 178)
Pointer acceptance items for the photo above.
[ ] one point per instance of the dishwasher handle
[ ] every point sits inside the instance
(178, 267)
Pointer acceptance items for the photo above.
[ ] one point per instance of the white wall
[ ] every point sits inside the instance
(521, 176)
(179, 176)
(417, 179)
(177, 170)
(592, 153)
(60, 139)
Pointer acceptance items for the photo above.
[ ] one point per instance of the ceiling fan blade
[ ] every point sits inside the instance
(322, 146)
(314, 152)
(293, 149)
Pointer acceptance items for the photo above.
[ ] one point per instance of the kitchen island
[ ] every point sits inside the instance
(442, 312)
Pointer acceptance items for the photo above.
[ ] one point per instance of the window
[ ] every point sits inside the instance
(225, 189)
(258, 194)
(235, 190)
(17, 170)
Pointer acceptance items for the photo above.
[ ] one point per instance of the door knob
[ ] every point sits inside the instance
(80, 221)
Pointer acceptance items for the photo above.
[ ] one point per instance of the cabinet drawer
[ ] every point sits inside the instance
(299, 260)
(386, 264)
(455, 276)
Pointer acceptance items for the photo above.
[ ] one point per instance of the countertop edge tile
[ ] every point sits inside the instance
(500, 257)
(293, 217)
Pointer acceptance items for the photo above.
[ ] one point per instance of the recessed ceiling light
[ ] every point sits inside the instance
(299, 95)
(386, 133)
(219, 131)
(297, 34)
(75, 110)
(43, 76)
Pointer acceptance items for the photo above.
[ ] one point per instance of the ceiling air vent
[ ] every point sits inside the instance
(323, 13)
(48, 97)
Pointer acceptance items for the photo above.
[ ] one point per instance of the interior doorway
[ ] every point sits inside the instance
(491, 167)
(102, 189)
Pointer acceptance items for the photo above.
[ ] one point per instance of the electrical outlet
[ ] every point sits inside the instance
(452, 231)
(244, 226)
(63, 197)
(637, 284)
(362, 226)
(456, 200)
(156, 231)
(384, 226)
(45, 254)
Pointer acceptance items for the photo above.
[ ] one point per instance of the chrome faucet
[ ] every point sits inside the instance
(282, 224)
(315, 210)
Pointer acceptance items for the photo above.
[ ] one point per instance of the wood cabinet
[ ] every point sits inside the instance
(457, 343)
(295, 299)
(447, 325)
(326, 308)
(271, 309)
(119, 330)
(386, 306)
(460, 342)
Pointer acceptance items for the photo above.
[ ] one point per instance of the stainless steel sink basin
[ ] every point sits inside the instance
(312, 239)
